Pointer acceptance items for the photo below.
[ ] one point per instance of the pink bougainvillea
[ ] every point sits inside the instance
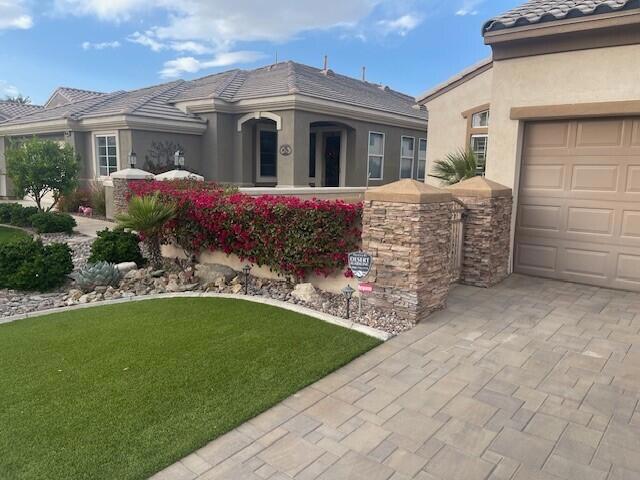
(291, 236)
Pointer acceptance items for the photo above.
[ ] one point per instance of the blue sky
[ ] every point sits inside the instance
(107, 45)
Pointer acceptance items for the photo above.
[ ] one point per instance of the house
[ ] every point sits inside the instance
(555, 115)
(285, 125)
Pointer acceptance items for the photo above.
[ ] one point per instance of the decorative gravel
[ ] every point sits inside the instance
(179, 276)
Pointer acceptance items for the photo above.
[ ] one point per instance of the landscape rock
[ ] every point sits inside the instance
(305, 292)
(210, 273)
(237, 288)
(126, 267)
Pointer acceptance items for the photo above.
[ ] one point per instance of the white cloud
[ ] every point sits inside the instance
(100, 45)
(469, 7)
(175, 68)
(111, 10)
(149, 39)
(210, 33)
(222, 23)
(14, 14)
(146, 39)
(400, 26)
(7, 90)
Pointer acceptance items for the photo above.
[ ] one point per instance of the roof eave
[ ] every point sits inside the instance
(118, 121)
(562, 26)
(455, 81)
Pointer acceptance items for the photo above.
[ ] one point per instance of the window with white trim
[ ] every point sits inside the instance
(106, 154)
(422, 158)
(480, 119)
(376, 155)
(479, 144)
(407, 154)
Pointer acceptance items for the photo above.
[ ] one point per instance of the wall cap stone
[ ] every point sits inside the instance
(408, 191)
(179, 175)
(479, 187)
(132, 174)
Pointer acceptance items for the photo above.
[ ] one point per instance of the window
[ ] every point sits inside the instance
(407, 154)
(478, 134)
(376, 155)
(480, 119)
(267, 153)
(312, 155)
(479, 145)
(106, 154)
(422, 158)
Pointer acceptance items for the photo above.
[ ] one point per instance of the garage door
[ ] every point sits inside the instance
(579, 203)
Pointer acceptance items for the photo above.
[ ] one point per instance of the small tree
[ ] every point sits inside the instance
(456, 167)
(148, 216)
(22, 100)
(40, 167)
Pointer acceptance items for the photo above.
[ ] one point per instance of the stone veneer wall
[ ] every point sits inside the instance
(410, 244)
(120, 194)
(487, 240)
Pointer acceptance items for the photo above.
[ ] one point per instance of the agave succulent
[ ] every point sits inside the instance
(100, 274)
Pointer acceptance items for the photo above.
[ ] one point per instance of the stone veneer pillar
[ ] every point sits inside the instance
(487, 235)
(121, 180)
(407, 230)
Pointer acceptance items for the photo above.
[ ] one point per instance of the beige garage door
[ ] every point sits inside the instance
(579, 203)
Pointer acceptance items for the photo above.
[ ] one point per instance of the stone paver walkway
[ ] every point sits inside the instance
(531, 380)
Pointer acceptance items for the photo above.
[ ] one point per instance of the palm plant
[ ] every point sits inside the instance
(147, 216)
(456, 167)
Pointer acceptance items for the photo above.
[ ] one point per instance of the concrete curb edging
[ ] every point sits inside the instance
(369, 331)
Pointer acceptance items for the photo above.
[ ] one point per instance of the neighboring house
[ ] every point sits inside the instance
(556, 115)
(285, 125)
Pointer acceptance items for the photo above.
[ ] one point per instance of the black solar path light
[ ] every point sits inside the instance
(348, 292)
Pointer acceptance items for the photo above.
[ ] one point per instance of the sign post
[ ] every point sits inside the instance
(360, 264)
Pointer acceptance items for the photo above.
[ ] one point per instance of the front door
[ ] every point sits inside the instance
(332, 161)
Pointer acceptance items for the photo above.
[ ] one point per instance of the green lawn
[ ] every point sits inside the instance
(122, 391)
(7, 234)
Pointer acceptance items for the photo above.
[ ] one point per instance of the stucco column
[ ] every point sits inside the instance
(121, 190)
(407, 230)
(293, 152)
(487, 230)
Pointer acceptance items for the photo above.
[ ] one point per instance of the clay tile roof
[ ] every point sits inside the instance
(287, 78)
(72, 95)
(539, 11)
(10, 110)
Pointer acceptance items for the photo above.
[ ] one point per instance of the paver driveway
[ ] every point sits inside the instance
(530, 380)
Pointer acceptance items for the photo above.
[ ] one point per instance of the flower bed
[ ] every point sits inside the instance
(292, 237)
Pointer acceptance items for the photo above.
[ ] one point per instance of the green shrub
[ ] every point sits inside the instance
(50, 222)
(29, 265)
(16, 215)
(6, 209)
(21, 216)
(116, 246)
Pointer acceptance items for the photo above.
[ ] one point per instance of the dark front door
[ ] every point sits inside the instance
(332, 161)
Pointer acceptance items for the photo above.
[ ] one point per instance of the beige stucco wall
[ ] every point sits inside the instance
(599, 75)
(333, 283)
(447, 127)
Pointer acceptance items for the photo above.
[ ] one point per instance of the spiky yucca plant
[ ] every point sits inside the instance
(147, 215)
(456, 167)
